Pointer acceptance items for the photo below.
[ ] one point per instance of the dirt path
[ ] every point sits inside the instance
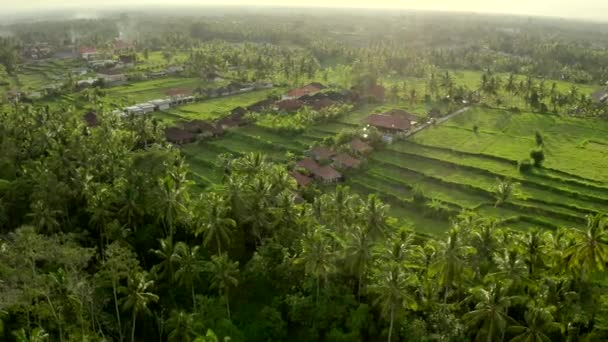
(438, 121)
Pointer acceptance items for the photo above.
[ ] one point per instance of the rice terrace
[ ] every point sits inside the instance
(196, 172)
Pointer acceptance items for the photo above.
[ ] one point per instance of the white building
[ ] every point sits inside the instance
(147, 107)
(161, 104)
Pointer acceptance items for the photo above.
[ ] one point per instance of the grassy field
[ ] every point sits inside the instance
(451, 165)
(149, 90)
(215, 108)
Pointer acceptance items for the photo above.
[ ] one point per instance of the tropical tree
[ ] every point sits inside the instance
(166, 253)
(317, 255)
(189, 267)
(504, 190)
(214, 223)
(358, 253)
(589, 252)
(224, 275)
(489, 320)
(539, 324)
(138, 298)
(180, 326)
(390, 285)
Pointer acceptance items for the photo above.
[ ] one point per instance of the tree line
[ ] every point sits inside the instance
(105, 237)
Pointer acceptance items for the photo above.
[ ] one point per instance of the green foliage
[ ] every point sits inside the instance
(524, 165)
(538, 156)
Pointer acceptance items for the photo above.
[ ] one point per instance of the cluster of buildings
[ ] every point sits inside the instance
(188, 132)
(323, 163)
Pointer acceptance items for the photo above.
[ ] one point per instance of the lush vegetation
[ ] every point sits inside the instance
(486, 224)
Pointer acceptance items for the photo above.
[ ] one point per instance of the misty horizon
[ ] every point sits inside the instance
(585, 10)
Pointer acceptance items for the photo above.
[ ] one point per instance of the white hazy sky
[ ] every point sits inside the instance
(591, 9)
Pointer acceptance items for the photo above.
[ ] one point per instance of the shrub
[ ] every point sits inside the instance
(524, 165)
(538, 156)
(539, 138)
(418, 196)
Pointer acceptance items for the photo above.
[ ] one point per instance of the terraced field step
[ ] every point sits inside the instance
(407, 215)
(480, 164)
(482, 181)
(468, 196)
(556, 175)
(266, 135)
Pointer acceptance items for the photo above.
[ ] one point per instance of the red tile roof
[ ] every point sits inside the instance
(177, 135)
(322, 103)
(121, 44)
(179, 92)
(402, 113)
(305, 90)
(308, 164)
(87, 49)
(345, 160)
(389, 122)
(327, 173)
(322, 153)
(300, 178)
(360, 146)
(290, 105)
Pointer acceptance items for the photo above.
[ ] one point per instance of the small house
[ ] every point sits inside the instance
(147, 107)
(361, 147)
(305, 90)
(161, 104)
(113, 80)
(290, 105)
(402, 113)
(87, 52)
(136, 110)
(179, 136)
(388, 123)
(308, 164)
(300, 179)
(327, 174)
(345, 161)
(202, 127)
(322, 153)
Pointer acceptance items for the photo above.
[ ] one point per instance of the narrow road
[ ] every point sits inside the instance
(437, 121)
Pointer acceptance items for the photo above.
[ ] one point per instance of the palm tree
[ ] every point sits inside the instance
(340, 207)
(223, 276)
(181, 327)
(189, 266)
(390, 285)
(483, 239)
(36, 335)
(166, 253)
(489, 319)
(374, 216)
(504, 190)
(317, 255)
(358, 253)
(590, 250)
(511, 268)
(534, 245)
(215, 224)
(538, 323)
(450, 263)
(138, 298)
(171, 203)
